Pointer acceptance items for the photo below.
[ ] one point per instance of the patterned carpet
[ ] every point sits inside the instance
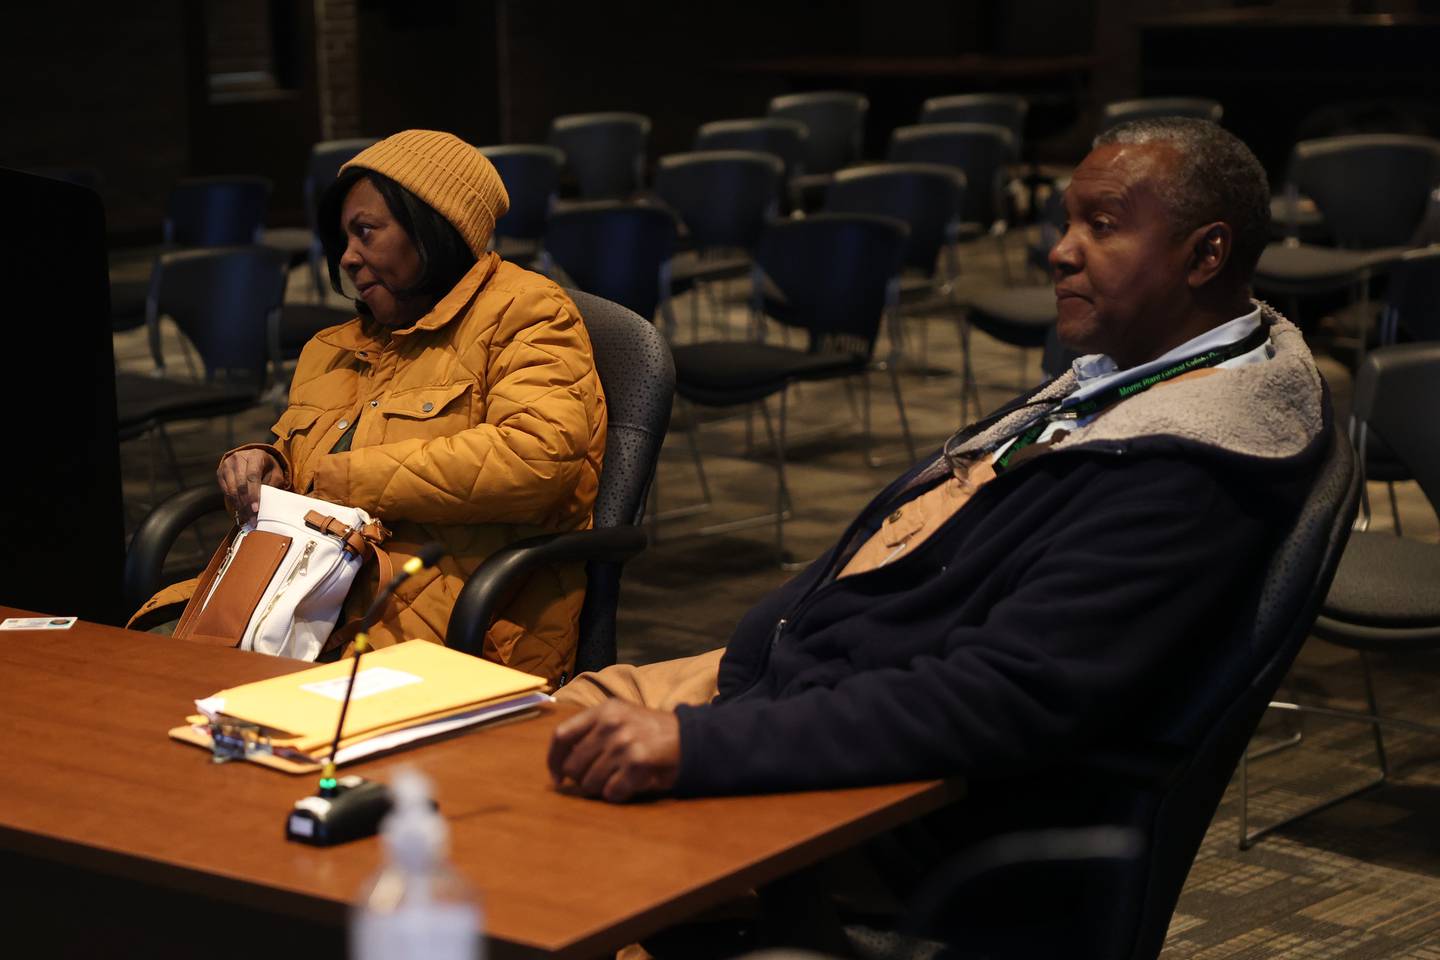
(1360, 881)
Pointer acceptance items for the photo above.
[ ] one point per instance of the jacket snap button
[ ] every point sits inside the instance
(342, 424)
(374, 403)
(427, 406)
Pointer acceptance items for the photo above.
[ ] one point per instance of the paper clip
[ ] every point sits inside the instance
(236, 740)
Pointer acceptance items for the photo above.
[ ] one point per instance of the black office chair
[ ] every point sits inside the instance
(224, 301)
(1386, 594)
(1101, 893)
(781, 136)
(199, 212)
(929, 198)
(832, 275)
(724, 198)
(322, 167)
(604, 151)
(1150, 108)
(1007, 110)
(835, 134)
(638, 377)
(531, 174)
(619, 251)
(980, 150)
(1372, 191)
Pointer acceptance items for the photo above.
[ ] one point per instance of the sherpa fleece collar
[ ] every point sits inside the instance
(1269, 411)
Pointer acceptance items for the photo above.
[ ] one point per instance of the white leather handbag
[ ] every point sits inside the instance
(278, 583)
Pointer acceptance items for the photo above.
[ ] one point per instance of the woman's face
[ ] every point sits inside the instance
(379, 257)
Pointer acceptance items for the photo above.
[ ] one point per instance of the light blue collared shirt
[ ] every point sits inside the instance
(1097, 371)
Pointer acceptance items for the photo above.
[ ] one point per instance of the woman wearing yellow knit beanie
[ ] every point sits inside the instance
(461, 405)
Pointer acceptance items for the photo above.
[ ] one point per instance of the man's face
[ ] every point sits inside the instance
(1120, 269)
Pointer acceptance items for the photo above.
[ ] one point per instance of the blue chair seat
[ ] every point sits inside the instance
(1305, 265)
(143, 401)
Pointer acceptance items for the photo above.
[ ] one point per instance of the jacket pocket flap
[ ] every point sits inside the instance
(422, 403)
(295, 418)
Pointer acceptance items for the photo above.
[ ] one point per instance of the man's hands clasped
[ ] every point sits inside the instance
(241, 475)
(617, 751)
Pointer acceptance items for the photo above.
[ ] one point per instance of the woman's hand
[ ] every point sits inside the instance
(240, 476)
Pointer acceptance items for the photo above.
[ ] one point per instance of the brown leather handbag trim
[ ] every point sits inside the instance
(224, 618)
(202, 588)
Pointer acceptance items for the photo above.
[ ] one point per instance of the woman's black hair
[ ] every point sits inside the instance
(445, 257)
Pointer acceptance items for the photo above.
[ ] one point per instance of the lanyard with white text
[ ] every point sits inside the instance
(1108, 397)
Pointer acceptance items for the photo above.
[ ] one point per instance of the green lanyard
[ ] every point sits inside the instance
(1113, 395)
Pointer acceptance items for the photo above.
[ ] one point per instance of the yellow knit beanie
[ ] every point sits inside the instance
(454, 178)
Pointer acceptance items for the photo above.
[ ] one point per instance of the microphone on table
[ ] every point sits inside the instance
(349, 808)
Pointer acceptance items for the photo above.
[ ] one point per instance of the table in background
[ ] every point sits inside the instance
(89, 779)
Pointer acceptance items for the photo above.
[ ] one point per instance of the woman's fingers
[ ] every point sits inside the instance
(241, 475)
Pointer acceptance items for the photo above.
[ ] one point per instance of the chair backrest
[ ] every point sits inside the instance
(223, 299)
(979, 149)
(1397, 394)
(1372, 188)
(638, 376)
(1295, 583)
(724, 197)
(619, 251)
(1149, 108)
(605, 151)
(1007, 110)
(928, 197)
(835, 122)
(783, 137)
(836, 272)
(216, 211)
(326, 159)
(1412, 299)
(531, 174)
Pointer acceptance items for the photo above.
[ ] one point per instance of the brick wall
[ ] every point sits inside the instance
(336, 37)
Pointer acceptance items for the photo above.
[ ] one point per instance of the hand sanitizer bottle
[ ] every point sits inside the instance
(416, 907)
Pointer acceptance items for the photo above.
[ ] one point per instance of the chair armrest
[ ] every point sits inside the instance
(495, 580)
(145, 560)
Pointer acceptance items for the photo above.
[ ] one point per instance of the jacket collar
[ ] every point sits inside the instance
(352, 337)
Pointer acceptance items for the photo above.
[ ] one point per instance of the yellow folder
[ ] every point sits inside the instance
(397, 687)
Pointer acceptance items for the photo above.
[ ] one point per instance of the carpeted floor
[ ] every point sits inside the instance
(1360, 881)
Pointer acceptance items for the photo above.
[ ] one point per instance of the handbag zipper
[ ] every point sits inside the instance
(297, 569)
(224, 565)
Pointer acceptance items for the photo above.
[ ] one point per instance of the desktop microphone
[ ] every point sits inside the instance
(352, 807)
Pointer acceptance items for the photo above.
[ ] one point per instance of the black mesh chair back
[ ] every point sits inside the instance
(222, 299)
(605, 151)
(1372, 188)
(1295, 583)
(928, 197)
(1007, 110)
(326, 159)
(1413, 297)
(531, 174)
(835, 273)
(638, 376)
(1150, 108)
(724, 197)
(615, 250)
(834, 121)
(1397, 392)
(216, 211)
(779, 136)
(981, 150)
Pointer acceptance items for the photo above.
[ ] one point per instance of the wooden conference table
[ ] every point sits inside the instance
(89, 780)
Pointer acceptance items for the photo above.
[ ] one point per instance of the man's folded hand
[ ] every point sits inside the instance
(617, 751)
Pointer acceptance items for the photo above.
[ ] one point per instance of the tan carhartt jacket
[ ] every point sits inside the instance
(481, 424)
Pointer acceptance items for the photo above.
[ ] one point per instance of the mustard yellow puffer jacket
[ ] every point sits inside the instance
(481, 424)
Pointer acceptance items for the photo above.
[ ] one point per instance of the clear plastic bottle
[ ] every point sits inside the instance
(417, 906)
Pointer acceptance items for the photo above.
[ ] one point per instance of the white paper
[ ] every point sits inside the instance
(368, 682)
(398, 738)
(37, 623)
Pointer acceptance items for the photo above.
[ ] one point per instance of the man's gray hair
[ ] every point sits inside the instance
(1218, 178)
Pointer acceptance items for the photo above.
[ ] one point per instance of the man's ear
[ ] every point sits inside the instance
(1210, 247)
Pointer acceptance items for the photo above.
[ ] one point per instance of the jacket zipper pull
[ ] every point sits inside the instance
(779, 629)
